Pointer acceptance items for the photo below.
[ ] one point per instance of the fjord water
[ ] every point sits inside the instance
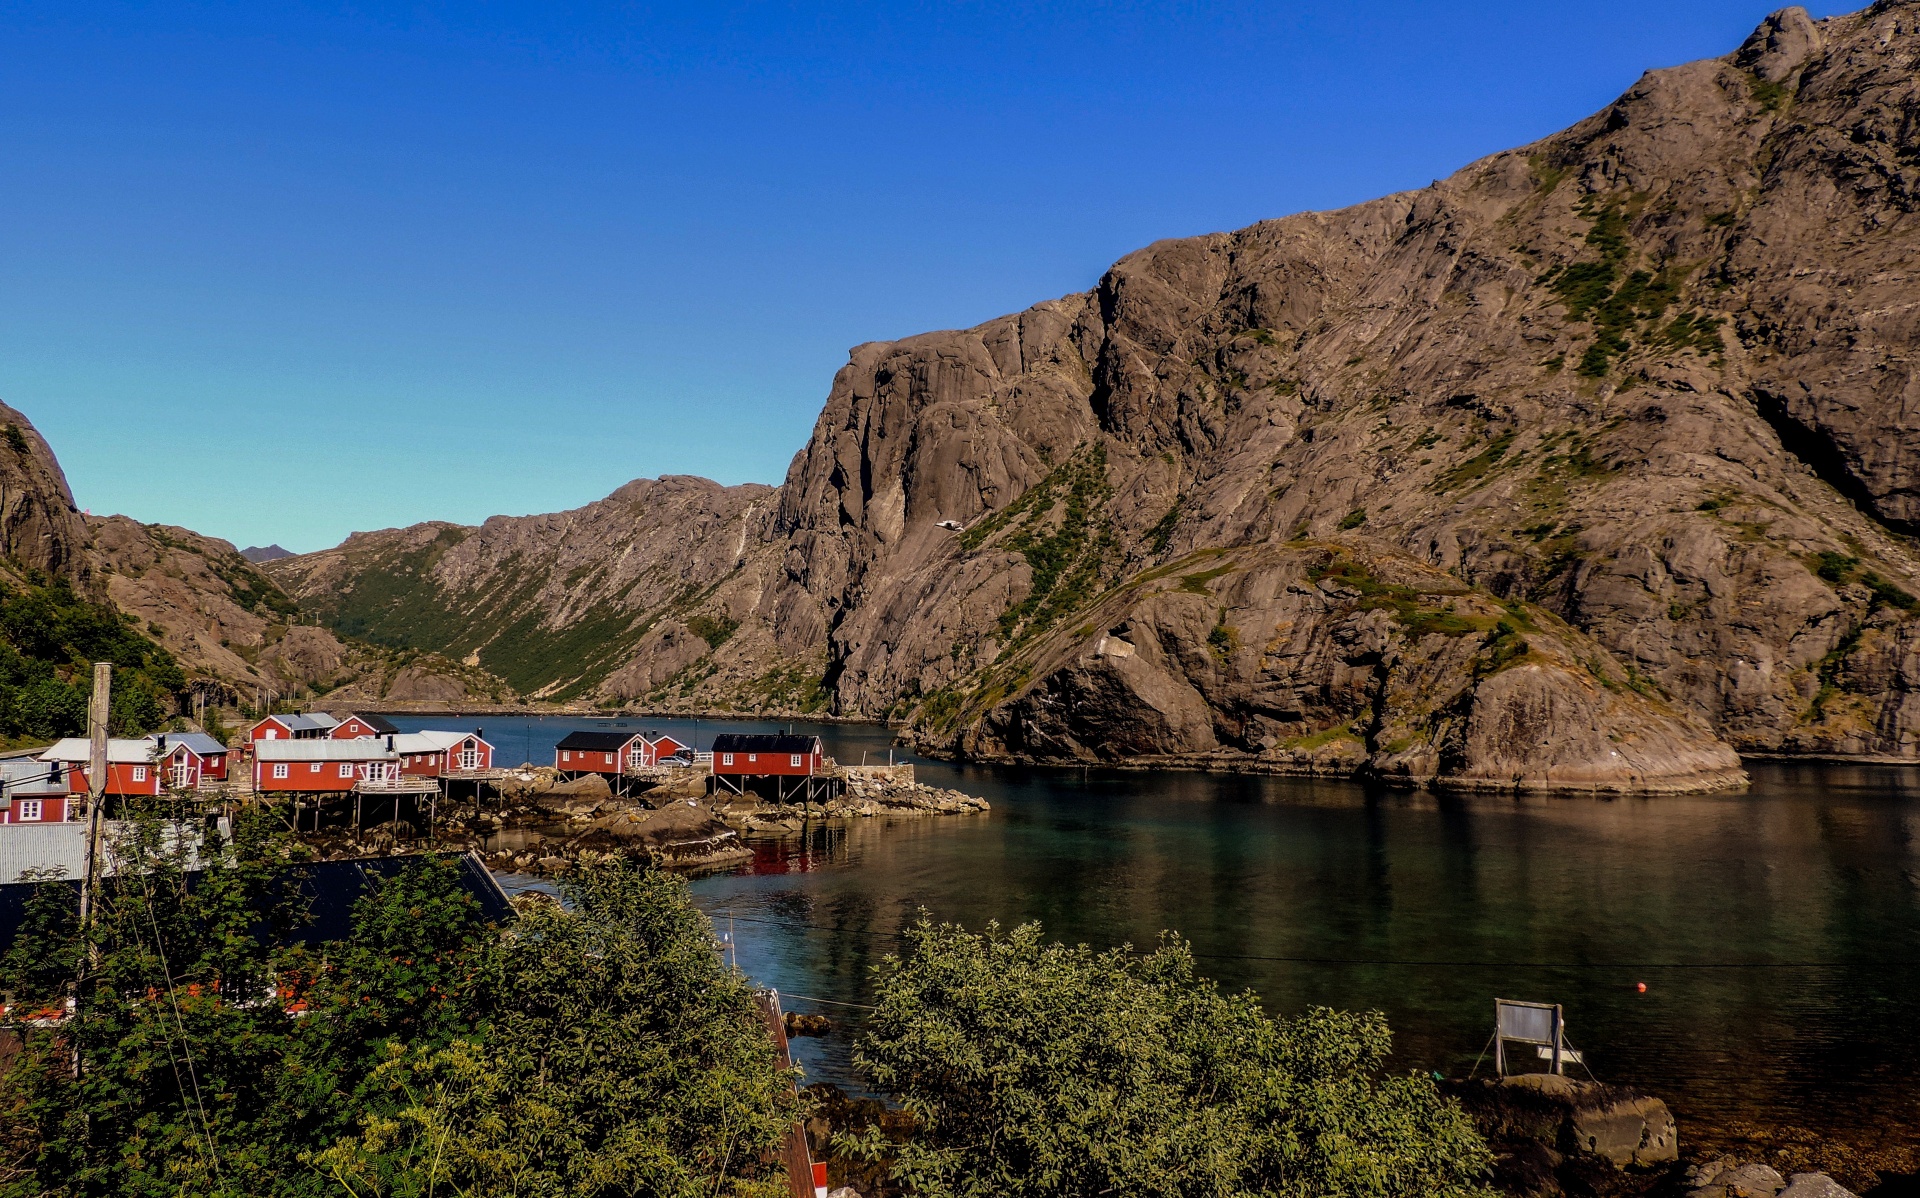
(1777, 930)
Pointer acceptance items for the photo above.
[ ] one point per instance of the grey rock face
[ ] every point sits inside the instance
(40, 528)
(1649, 374)
(1814, 1185)
(1641, 390)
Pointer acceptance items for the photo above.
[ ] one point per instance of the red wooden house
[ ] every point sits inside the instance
(796, 764)
(354, 725)
(439, 754)
(36, 792)
(131, 769)
(321, 766)
(597, 752)
(186, 759)
(756, 755)
(292, 727)
(612, 752)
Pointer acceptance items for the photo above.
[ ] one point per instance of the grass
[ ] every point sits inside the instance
(713, 630)
(1066, 559)
(1161, 534)
(1196, 584)
(1353, 519)
(1477, 466)
(1840, 569)
(1409, 606)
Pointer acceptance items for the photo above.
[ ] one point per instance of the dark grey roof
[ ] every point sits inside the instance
(595, 742)
(761, 742)
(199, 742)
(381, 725)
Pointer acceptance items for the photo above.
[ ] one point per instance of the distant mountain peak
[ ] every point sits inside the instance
(268, 553)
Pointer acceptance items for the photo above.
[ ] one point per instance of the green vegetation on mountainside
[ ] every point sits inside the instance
(395, 602)
(49, 638)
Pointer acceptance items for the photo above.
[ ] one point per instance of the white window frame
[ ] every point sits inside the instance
(27, 811)
(566, 755)
(139, 773)
(280, 769)
(346, 769)
(726, 759)
(793, 759)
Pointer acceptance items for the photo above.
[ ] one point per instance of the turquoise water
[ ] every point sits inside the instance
(1777, 931)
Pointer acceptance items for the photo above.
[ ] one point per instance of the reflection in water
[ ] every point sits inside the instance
(1778, 931)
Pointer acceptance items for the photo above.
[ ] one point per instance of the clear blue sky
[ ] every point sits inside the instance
(279, 275)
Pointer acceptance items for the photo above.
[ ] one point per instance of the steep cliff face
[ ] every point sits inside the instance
(1574, 469)
(1652, 375)
(40, 529)
(653, 593)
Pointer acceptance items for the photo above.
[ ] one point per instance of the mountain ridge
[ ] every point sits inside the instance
(1637, 389)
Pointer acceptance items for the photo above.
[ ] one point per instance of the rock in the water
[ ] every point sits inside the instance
(1814, 1185)
(1735, 1179)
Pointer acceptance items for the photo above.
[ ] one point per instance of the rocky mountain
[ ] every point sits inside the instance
(1585, 466)
(234, 634)
(640, 596)
(264, 553)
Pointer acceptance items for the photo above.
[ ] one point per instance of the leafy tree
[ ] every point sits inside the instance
(619, 1057)
(1044, 1070)
(48, 638)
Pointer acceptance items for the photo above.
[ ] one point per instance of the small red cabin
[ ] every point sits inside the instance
(612, 752)
(597, 752)
(131, 769)
(292, 727)
(354, 726)
(187, 759)
(36, 792)
(434, 754)
(754, 755)
(312, 766)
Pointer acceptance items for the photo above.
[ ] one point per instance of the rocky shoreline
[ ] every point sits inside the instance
(543, 824)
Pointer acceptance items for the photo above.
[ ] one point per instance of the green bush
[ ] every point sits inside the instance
(594, 1050)
(1053, 1072)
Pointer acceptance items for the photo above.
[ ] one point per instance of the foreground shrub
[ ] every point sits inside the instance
(1043, 1070)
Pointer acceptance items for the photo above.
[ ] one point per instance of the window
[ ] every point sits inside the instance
(726, 759)
(753, 757)
(139, 773)
(270, 734)
(27, 809)
(346, 769)
(280, 771)
(794, 760)
(314, 768)
(564, 756)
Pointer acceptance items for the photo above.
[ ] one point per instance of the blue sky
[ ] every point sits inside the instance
(280, 272)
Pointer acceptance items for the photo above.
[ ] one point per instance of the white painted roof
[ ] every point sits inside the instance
(119, 752)
(366, 748)
(426, 742)
(323, 719)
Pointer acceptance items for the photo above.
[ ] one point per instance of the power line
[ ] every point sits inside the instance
(1417, 963)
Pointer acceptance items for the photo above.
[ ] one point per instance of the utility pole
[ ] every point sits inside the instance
(96, 795)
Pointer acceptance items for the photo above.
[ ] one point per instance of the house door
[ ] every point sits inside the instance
(182, 775)
(376, 771)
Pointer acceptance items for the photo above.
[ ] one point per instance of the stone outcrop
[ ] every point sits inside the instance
(40, 528)
(1639, 392)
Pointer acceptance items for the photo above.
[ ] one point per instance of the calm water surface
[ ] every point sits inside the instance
(1777, 931)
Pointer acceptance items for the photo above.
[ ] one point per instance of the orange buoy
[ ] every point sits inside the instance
(1640, 986)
